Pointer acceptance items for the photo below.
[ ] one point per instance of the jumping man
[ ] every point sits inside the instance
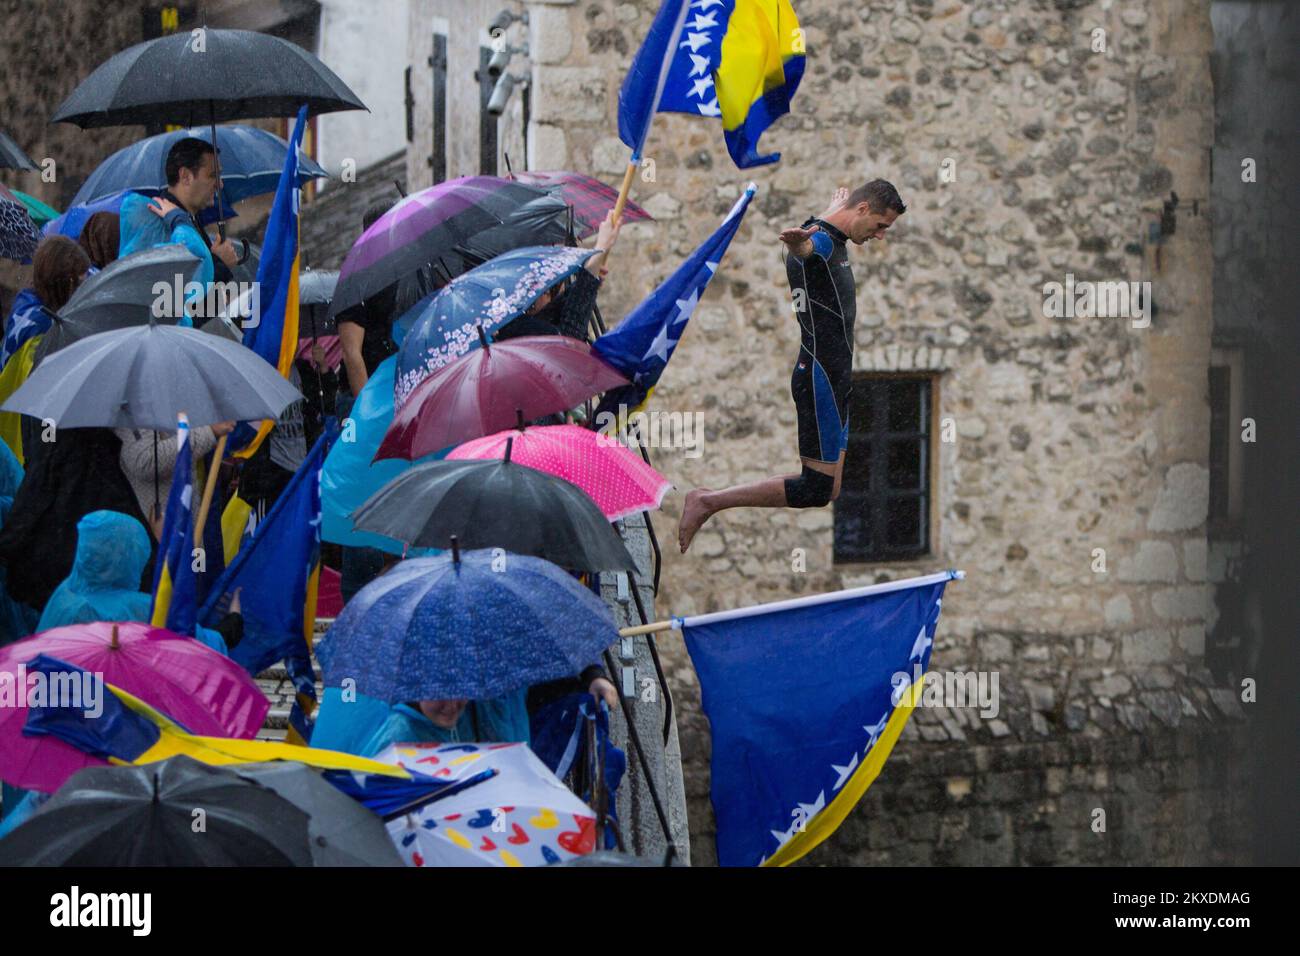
(823, 290)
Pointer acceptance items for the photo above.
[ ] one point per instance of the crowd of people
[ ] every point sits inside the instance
(82, 509)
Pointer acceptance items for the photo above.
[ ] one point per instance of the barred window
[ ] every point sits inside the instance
(883, 509)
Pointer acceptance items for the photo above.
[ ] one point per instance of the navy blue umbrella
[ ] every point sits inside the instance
(481, 626)
(445, 325)
(251, 162)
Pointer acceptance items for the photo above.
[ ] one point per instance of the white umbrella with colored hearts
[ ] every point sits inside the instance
(521, 816)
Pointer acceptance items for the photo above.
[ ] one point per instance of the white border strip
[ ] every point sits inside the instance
(719, 616)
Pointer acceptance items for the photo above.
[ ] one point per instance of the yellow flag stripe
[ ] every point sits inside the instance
(828, 821)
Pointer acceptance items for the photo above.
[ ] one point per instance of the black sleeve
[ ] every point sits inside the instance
(231, 629)
(579, 302)
(539, 695)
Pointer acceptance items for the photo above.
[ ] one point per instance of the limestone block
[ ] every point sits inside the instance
(1183, 502)
(1154, 561)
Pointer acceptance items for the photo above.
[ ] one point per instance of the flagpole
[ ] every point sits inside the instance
(675, 623)
(624, 190)
(208, 488)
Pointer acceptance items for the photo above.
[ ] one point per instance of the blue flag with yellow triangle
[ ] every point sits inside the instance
(738, 60)
(806, 699)
(275, 336)
(641, 345)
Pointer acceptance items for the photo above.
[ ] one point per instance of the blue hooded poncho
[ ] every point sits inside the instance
(112, 550)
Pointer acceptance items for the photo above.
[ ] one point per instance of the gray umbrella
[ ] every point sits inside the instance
(140, 377)
(342, 831)
(121, 295)
(12, 155)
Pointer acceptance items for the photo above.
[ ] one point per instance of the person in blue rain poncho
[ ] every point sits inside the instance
(112, 551)
(146, 222)
(355, 723)
(16, 620)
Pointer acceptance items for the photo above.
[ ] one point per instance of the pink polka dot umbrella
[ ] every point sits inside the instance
(613, 475)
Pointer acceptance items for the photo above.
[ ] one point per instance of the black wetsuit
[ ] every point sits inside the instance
(823, 375)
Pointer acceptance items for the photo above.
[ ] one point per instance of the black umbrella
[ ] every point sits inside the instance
(12, 155)
(214, 77)
(343, 832)
(207, 77)
(122, 294)
(488, 504)
(175, 813)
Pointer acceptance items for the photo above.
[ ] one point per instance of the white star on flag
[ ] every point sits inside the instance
(702, 21)
(844, 772)
(695, 41)
(686, 306)
(699, 65)
(710, 109)
(661, 346)
(701, 86)
(919, 648)
(705, 4)
(713, 266)
(875, 730)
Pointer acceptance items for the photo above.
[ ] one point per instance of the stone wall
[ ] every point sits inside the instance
(1071, 435)
(45, 51)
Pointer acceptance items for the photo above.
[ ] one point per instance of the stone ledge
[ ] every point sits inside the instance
(897, 358)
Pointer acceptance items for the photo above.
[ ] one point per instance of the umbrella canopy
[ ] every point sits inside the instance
(73, 221)
(230, 75)
(342, 831)
(487, 504)
(204, 690)
(18, 234)
(251, 162)
(141, 377)
(145, 816)
(39, 211)
(519, 816)
(447, 228)
(614, 476)
(590, 198)
(484, 625)
(118, 296)
(450, 322)
(316, 286)
(488, 389)
(12, 155)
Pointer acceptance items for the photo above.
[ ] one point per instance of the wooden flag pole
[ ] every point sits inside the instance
(208, 488)
(654, 627)
(623, 192)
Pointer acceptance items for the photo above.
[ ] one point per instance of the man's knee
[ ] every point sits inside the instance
(812, 489)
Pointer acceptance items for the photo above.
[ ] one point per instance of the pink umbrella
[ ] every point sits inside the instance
(203, 690)
(613, 475)
(485, 390)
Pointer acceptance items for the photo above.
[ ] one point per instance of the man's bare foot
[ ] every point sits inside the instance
(694, 514)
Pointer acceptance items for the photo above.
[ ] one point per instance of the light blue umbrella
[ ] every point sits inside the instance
(251, 162)
(482, 626)
(444, 325)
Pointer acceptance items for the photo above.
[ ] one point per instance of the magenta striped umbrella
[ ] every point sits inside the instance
(196, 686)
(590, 198)
(487, 389)
(446, 230)
(612, 475)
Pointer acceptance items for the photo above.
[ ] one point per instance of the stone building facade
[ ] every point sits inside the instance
(1068, 457)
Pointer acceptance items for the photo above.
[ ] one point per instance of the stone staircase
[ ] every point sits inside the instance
(275, 684)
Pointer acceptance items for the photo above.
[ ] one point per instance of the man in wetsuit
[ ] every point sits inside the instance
(823, 290)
